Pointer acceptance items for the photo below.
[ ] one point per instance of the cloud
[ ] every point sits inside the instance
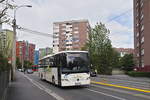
(44, 12)
(121, 35)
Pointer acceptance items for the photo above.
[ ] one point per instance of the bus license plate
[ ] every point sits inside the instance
(77, 83)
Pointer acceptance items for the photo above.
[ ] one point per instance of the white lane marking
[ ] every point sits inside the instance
(112, 89)
(107, 94)
(40, 86)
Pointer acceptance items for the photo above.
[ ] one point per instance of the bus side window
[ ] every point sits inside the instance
(63, 60)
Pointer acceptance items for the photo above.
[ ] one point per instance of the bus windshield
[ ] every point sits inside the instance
(76, 62)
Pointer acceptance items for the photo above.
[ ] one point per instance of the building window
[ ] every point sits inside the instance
(142, 52)
(137, 4)
(56, 30)
(141, 3)
(75, 39)
(137, 13)
(142, 28)
(142, 62)
(137, 34)
(137, 24)
(142, 16)
(76, 28)
(76, 45)
(142, 40)
(137, 44)
(76, 32)
(63, 25)
(68, 44)
(56, 25)
(68, 24)
(137, 54)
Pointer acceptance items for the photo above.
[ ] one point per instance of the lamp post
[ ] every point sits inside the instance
(14, 41)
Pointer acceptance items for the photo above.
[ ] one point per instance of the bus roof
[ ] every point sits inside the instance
(63, 52)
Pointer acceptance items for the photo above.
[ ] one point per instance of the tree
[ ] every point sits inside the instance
(100, 49)
(116, 59)
(127, 62)
(3, 11)
(27, 64)
(18, 64)
(4, 54)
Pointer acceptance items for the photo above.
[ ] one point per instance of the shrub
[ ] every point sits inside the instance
(4, 65)
(138, 74)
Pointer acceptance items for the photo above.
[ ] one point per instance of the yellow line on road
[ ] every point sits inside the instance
(118, 86)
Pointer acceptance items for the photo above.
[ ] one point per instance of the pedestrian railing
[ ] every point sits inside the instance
(4, 82)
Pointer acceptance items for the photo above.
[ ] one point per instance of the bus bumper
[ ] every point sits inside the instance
(77, 83)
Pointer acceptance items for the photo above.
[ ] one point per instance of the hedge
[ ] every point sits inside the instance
(138, 74)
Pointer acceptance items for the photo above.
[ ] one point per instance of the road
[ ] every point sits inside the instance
(123, 80)
(93, 92)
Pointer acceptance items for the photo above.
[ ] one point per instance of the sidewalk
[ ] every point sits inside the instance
(23, 89)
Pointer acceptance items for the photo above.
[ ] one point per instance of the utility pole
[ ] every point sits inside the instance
(22, 58)
(14, 41)
(14, 50)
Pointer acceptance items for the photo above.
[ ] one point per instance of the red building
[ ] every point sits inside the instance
(31, 52)
(25, 51)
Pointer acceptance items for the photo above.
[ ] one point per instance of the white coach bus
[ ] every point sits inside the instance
(66, 68)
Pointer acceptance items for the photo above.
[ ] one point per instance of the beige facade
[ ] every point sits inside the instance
(6, 37)
(70, 35)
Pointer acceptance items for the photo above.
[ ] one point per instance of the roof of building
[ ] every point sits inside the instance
(71, 21)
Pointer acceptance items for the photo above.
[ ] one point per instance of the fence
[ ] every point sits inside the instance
(4, 81)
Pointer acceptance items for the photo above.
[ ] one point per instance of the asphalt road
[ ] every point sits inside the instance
(93, 92)
(141, 83)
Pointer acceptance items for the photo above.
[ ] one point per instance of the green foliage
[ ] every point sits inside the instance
(4, 54)
(116, 59)
(27, 64)
(18, 64)
(127, 62)
(4, 65)
(138, 74)
(102, 55)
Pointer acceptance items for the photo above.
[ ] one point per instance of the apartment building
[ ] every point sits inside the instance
(142, 33)
(25, 51)
(70, 35)
(45, 51)
(123, 51)
(6, 40)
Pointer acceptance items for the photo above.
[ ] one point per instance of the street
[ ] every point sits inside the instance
(42, 90)
(74, 50)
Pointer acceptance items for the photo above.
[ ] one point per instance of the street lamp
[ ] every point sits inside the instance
(14, 41)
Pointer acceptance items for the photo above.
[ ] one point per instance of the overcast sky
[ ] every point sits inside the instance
(116, 14)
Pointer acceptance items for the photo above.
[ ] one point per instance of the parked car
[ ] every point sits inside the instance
(29, 71)
(93, 74)
(19, 70)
